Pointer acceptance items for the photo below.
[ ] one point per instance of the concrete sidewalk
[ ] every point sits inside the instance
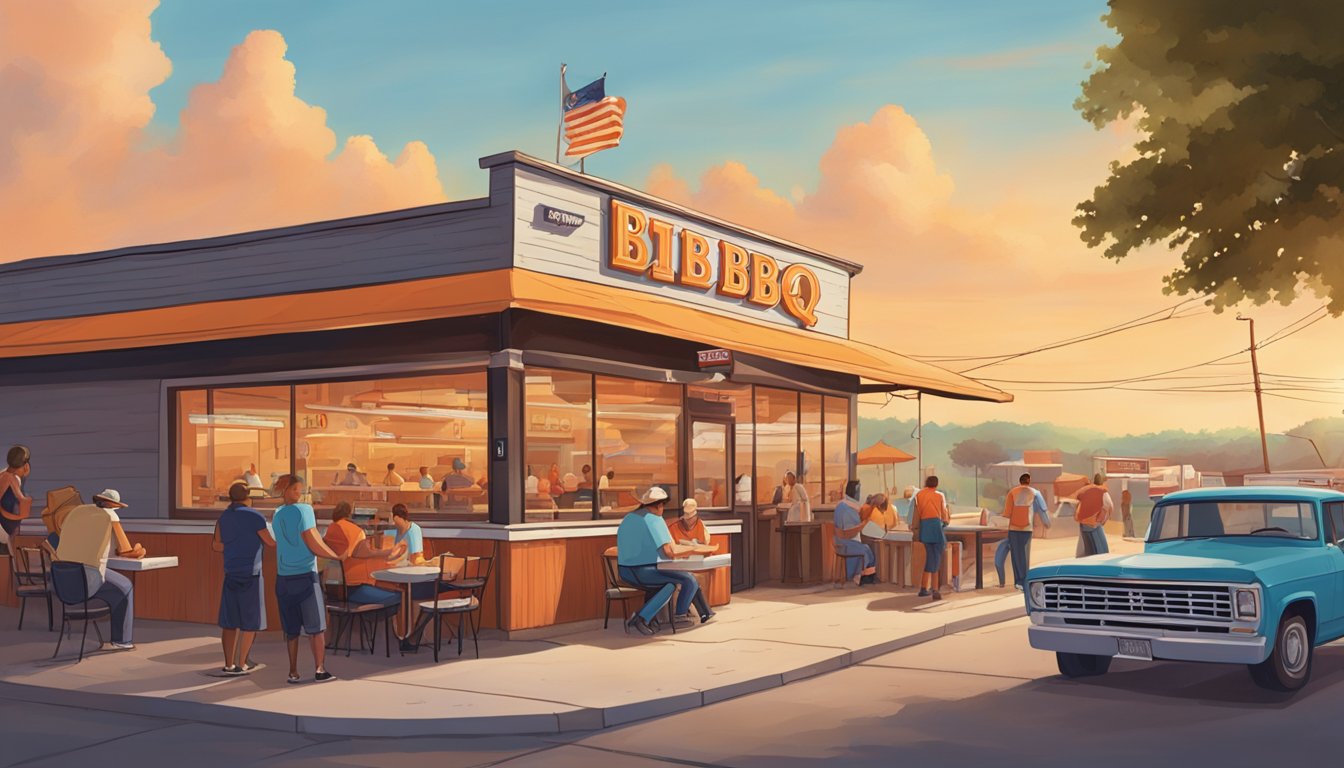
(584, 680)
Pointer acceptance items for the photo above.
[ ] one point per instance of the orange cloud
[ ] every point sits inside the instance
(944, 276)
(79, 170)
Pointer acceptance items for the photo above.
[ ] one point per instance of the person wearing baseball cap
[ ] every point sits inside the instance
(89, 533)
(641, 540)
(688, 529)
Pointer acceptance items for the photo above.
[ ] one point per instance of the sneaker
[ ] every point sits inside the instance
(123, 646)
(923, 593)
(294, 680)
(641, 626)
(408, 646)
(866, 580)
(233, 671)
(323, 676)
(707, 617)
(937, 595)
(249, 666)
(1018, 587)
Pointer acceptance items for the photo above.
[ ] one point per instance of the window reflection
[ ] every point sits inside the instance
(776, 442)
(810, 445)
(836, 447)
(561, 481)
(419, 441)
(232, 434)
(638, 428)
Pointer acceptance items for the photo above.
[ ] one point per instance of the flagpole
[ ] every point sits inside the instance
(560, 123)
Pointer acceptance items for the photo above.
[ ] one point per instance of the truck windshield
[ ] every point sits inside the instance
(1205, 519)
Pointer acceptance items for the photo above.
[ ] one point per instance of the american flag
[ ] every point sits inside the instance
(593, 121)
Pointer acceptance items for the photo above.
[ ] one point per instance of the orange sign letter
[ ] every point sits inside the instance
(764, 281)
(660, 232)
(628, 251)
(801, 292)
(695, 268)
(733, 275)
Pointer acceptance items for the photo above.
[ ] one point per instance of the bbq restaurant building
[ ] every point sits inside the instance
(516, 369)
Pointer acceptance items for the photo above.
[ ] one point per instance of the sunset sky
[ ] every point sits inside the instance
(933, 142)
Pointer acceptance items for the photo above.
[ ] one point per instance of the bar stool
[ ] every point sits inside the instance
(841, 567)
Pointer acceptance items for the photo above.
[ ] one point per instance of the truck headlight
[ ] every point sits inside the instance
(1037, 594)
(1248, 604)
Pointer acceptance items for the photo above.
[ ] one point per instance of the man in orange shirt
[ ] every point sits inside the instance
(690, 529)
(361, 560)
(1094, 509)
(931, 515)
(1021, 506)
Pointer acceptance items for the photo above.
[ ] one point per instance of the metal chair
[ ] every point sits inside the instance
(348, 614)
(70, 587)
(29, 567)
(465, 593)
(617, 592)
(610, 557)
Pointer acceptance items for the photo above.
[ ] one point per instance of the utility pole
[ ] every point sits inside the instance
(1259, 399)
(919, 440)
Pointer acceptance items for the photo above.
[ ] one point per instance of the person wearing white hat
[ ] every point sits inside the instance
(690, 529)
(89, 533)
(641, 540)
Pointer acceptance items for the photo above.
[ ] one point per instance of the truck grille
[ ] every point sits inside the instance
(1185, 601)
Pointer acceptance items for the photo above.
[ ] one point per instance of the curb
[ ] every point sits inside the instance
(576, 720)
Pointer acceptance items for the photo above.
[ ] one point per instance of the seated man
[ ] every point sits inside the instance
(88, 532)
(361, 559)
(848, 525)
(641, 539)
(352, 476)
(690, 529)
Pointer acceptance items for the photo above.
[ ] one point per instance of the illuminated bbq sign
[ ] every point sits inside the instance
(661, 251)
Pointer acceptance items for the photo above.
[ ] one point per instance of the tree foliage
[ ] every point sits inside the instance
(1240, 108)
(977, 454)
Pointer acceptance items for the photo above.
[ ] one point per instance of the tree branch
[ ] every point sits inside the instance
(1328, 127)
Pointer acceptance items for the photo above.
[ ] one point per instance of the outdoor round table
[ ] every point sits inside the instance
(405, 576)
(706, 563)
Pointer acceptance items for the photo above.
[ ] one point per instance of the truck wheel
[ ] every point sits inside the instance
(1082, 664)
(1289, 667)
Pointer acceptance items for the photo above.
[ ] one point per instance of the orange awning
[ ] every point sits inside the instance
(881, 453)
(474, 294)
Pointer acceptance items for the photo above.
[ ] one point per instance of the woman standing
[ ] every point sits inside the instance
(931, 514)
(14, 505)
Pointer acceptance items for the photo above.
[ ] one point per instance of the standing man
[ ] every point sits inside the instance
(641, 539)
(1094, 509)
(931, 515)
(298, 592)
(1126, 508)
(86, 538)
(1022, 504)
(848, 524)
(240, 534)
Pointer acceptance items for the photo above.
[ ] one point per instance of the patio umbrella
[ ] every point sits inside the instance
(881, 454)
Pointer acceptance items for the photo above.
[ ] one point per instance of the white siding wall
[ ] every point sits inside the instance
(103, 434)
(581, 253)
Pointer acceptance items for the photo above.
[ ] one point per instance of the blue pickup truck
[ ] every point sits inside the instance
(1250, 576)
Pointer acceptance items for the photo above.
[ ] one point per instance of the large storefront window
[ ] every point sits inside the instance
(231, 434)
(419, 441)
(638, 429)
(416, 441)
(836, 447)
(809, 445)
(562, 480)
(776, 441)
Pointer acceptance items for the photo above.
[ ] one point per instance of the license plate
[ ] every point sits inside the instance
(1135, 649)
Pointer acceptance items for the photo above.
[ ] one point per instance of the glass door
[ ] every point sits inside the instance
(711, 475)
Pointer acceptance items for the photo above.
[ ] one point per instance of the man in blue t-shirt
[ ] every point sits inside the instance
(642, 539)
(298, 591)
(240, 534)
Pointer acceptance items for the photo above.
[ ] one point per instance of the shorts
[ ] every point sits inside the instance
(242, 604)
(299, 602)
(933, 557)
